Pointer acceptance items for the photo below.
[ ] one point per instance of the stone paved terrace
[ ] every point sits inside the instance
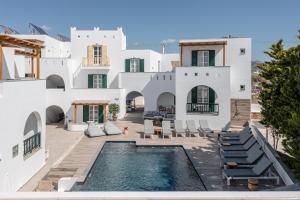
(203, 152)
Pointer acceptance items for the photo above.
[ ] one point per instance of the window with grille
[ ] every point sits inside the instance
(93, 113)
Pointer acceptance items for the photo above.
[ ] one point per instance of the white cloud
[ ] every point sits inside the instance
(136, 43)
(46, 28)
(169, 41)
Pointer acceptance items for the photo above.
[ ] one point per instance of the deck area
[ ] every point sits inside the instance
(203, 152)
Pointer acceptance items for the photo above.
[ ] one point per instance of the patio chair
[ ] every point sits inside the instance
(148, 128)
(111, 129)
(191, 127)
(239, 147)
(166, 129)
(179, 130)
(253, 155)
(257, 172)
(239, 154)
(204, 128)
(94, 131)
(241, 140)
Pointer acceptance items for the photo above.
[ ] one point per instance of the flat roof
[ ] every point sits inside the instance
(201, 42)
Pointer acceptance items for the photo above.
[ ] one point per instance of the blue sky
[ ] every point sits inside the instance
(148, 22)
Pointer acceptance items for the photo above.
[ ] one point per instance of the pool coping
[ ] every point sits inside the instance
(81, 179)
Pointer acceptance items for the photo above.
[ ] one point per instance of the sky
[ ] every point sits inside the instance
(147, 23)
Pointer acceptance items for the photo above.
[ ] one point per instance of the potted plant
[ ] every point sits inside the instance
(114, 109)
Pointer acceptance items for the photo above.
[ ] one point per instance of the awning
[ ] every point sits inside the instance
(90, 102)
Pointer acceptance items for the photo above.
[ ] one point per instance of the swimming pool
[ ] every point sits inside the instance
(123, 166)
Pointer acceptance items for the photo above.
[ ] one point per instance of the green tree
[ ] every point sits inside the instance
(280, 98)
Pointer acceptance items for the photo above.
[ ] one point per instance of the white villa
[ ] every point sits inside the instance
(44, 80)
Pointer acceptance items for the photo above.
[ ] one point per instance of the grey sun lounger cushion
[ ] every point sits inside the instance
(242, 140)
(166, 129)
(148, 128)
(94, 131)
(239, 147)
(231, 136)
(240, 154)
(111, 129)
(258, 170)
(179, 130)
(253, 156)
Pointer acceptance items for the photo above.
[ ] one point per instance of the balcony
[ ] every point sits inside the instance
(202, 108)
(98, 63)
(32, 143)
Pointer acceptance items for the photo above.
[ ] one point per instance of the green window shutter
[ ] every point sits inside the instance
(104, 81)
(101, 114)
(194, 95)
(141, 65)
(194, 58)
(212, 57)
(85, 112)
(90, 81)
(127, 65)
(212, 98)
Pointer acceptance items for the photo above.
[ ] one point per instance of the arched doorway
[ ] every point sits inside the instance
(55, 81)
(54, 114)
(32, 133)
(166, 102)
(135, 102)
(202, 99)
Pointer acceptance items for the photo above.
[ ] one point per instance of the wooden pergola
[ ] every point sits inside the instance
(32, 47)
(89, 103)
(202, 43)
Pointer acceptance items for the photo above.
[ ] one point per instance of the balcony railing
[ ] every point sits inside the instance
(32, 143)
(202, 108)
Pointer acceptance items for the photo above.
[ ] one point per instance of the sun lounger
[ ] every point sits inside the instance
(148, 128)
(246, 130)
(241, 140)
(253, 156)
(239, 154)
(257, 172)
(239, 147)
(191, 128)
(94, 131)
(179, 130)
(166, 129)
(111, 129)
(204, 128)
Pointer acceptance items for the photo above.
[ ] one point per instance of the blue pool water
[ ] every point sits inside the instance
(123, 166)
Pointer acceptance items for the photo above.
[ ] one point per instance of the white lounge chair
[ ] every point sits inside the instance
(148, 128)
(111, 129)
(191, 127)
(179, 130)
(204, 128)
(166, 129)
(94, 131)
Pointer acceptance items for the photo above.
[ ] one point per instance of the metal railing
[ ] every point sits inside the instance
(202, 108)
(32, 143)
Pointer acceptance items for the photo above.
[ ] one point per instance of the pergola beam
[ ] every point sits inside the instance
(25, 53)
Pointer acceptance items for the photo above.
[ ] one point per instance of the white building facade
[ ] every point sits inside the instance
(209, 79)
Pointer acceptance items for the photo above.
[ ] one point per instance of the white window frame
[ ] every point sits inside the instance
(134, 65)
(97, 54)
(93, 113)
(202, 94)
(97, 80)
(203, 58)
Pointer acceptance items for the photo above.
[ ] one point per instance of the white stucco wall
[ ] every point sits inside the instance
(166, 65)
(19, 99)
(218, 78)
(150, 85)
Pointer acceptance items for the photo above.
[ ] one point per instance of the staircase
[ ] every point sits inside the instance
(240, 112)
(50, 182)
